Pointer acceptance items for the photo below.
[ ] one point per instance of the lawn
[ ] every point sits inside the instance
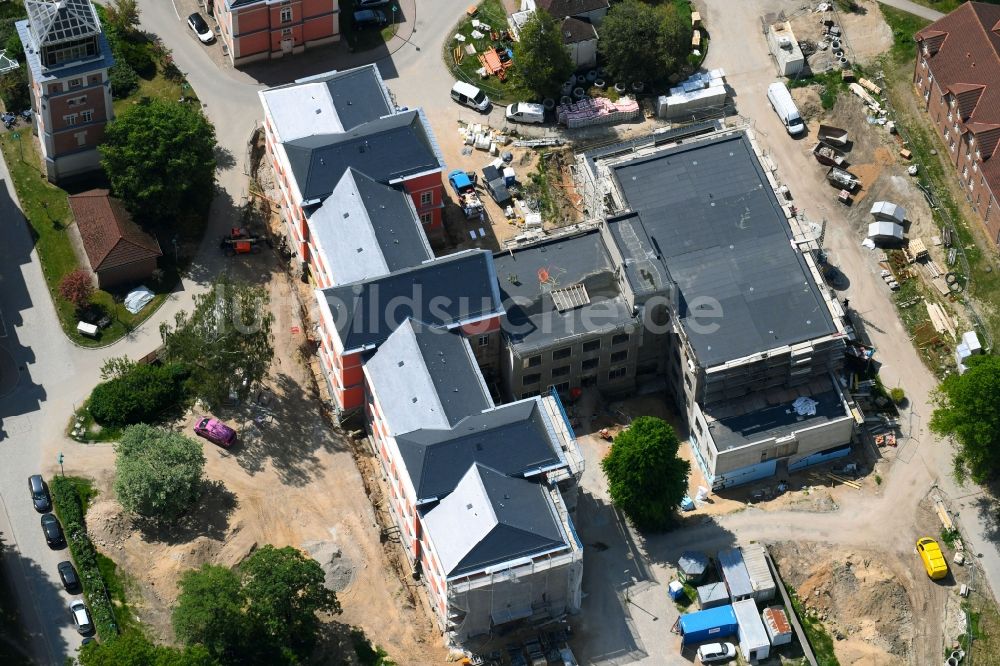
(490, 12)
(819, 640)
(363, 39)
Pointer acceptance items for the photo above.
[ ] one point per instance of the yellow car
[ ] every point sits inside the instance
(933, 558)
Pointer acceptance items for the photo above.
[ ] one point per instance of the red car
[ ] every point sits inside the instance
(215, 431)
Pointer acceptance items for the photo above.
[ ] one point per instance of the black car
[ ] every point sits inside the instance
(370, 18)
(67, 574)
(39, 493)
(53, 532)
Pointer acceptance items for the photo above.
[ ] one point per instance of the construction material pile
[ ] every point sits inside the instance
(482, 137)
(700, 91)
(597, 111)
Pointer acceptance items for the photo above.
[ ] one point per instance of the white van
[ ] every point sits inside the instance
(470, 95)
(781, 102)
(526, 112)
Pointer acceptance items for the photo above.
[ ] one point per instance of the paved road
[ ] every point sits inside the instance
(914, 8)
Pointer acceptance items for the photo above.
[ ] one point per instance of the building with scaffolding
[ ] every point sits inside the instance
(481, 494)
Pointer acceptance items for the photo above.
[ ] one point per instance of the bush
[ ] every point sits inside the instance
(124, 80)
(69, 508)
(14, 90)
(897, 395)
(77, 288)
(138, 57)
(159, 472)
(139, 395)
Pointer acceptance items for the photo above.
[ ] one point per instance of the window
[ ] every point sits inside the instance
(619, 339)
(426, 198)
(617, 373)
(533, 361)
(531, 379)
(560, 388)
(561, 371)
(426, 218)
(70, 119)
(561, 353)
(590, 363)
(619, 357)
(592, 345)
(484, 340)
(286, 32)
(76, 101)
(87, 116)
(286, 14)
(75, 83)
(81, 138)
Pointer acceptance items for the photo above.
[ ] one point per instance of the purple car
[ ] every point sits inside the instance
(215, 431)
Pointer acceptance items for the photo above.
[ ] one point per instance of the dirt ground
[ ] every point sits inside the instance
(292, 480)
(865, 34)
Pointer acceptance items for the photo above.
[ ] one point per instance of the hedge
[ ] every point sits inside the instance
(70, 511)
(140, 395)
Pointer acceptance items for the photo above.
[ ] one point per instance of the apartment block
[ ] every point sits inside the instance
(254, 30)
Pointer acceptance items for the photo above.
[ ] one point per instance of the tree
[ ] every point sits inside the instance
(226, 341)
(123, 16)
(542, 61)
(160, 159)
(14, 89)
(646, 478)
(159, 472)
(210, 611)
(139, 394)
(132, 648)
(968, 410)
(641, 42)
(284, 591)
(77, 288)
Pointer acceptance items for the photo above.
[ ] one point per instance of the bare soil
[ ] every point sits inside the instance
(865, 34)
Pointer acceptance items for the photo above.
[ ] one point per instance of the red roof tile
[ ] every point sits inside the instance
(110, 237)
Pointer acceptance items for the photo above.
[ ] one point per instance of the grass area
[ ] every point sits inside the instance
(362, 38)
(948, 537)
(159, 86)
(904, 25)
(690, 596)
(831, 82)
(539, 188)
(490, 12)
(820, 641)
(84, 490)
(119, 587)
(945, 6)
(982, 642)
(93, 432)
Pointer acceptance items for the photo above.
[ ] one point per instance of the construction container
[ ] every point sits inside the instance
(691, 566)
(755, 560)
(754, 642)
(712, 595)
(779, 631)
(710, 624)
(734, 573)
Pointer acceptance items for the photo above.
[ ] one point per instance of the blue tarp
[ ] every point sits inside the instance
(459, 180)
(712, 623)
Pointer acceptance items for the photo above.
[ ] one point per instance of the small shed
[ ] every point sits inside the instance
(496, 185)
(712, 595)
(755, 559)
(754, 643)
(885, 232)
(889, 212)
(691, 566)
(703, 625)
(734, 572)
(779, 631)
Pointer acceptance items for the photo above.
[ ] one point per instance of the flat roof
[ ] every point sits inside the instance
(707, 212)
(734, 571)
(528, 277)
(764, 415)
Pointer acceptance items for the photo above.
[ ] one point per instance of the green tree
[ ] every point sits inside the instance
(159, 472)
(210, 610)
(542, 61)
(14, 89)
(226, 341)
(160, 159)
(140, 393)
(284, 591)
(640, 42)
(968, 410)
(123, 16)
(133, 649)
(646, 478)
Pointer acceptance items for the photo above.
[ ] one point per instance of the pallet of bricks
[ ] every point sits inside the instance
(597, 111)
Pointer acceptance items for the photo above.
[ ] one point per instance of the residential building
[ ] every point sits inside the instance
(317, 128)
(577, 20)
(68, 58)
(957, 73)
(253, 30)
(708, 260)
(580, 38)
(482, 494)
(591, 11)
(119, 252)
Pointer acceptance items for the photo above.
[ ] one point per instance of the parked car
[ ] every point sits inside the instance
(81, 617)
(716, 653)
(932, 557)
(67, 574)
(369, 4)
(526, 112)
(53, 532)
(215, 431)
(39, 493)
(469, 95)
(200, 27)
(370, 18)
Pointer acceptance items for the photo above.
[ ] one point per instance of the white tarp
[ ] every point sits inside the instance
(804, 406)
(883, 230)
(888, 211)
(137, 299)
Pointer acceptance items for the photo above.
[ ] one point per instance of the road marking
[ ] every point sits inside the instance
(174, 5)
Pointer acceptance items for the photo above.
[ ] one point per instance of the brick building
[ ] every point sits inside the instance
(957, 74)
(68, 58)
(263, 29)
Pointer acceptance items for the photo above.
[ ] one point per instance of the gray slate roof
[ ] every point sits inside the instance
(57, 21)
(367, 229)
(446, 291)
(490, 519)
(706, 212)
(513, 439)
(532, 319)
(385, 149)
(574, 30)
(426, 378)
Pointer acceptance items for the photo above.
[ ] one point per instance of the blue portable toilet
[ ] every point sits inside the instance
(710, 624)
